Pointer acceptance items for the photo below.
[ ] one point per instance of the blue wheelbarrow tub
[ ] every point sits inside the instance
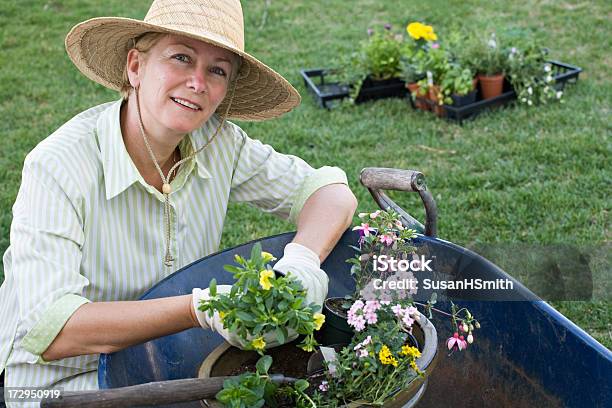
(526, 354)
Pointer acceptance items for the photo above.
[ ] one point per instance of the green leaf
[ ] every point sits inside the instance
(244, 316)
(263, 364)
(301, 385)
(256, 254)
(269, 303)
(212, 287)
(281, 335)
(232, 269)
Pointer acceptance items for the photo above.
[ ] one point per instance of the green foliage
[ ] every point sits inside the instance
(457, 80)
(254, 390)
(487, 55)
(378, 58)
(260, 303)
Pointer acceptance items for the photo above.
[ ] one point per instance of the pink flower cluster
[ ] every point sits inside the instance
(406, 314)
(361, 313)
(360, 348)
(387, 239)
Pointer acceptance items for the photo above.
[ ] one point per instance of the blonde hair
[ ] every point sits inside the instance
(147, 41)
(143, 44)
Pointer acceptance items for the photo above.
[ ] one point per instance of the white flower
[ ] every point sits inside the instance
(492, 43)
(559, 94)
(547, 67)
(549, 78)
(523, 100)
(529, 102)
(530, 91)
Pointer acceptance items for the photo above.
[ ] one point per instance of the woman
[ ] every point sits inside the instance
(126, 193)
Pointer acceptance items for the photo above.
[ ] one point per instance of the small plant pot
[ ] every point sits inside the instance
(419, 103)
(336, 329)
(491, 86)
(463, 100)
(438, 109)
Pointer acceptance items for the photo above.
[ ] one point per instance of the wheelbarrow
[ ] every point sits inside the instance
(526, 355)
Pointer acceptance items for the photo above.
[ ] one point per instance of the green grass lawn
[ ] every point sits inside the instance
(536, 176)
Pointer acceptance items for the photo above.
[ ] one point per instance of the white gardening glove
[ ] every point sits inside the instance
(305, 266)
(215, 323)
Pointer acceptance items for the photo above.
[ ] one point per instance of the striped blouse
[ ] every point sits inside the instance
(87, 227)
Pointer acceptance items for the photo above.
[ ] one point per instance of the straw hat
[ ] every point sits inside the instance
(99, 47)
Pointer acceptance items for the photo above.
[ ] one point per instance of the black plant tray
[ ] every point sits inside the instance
(562, 73)
(326, 92)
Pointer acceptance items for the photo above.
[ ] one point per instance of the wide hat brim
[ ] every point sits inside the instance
(99, 46)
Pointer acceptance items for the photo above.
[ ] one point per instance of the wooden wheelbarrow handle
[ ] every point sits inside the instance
(380, 178)
(153, 393)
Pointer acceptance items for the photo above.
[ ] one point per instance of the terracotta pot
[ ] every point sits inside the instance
(419, 103)
(491, 86)
(438, 109)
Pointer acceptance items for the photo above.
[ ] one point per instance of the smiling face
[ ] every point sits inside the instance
(181, 83)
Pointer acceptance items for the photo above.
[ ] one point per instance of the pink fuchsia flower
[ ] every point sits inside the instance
(435, 46)
(387, 239)
(375, 214)
(470, 338)
(399, 225)
(364, 229)
(456, 342)
(385, 302)
(324, 386)
(362, 353)
(361, 215)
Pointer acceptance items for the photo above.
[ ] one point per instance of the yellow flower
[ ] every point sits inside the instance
(259, 343)
(385, 356)
(264, 278)
(267, 257)
(410, 352)
(319, 319)
(221, 315)
(414, 366)
(418, 30)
